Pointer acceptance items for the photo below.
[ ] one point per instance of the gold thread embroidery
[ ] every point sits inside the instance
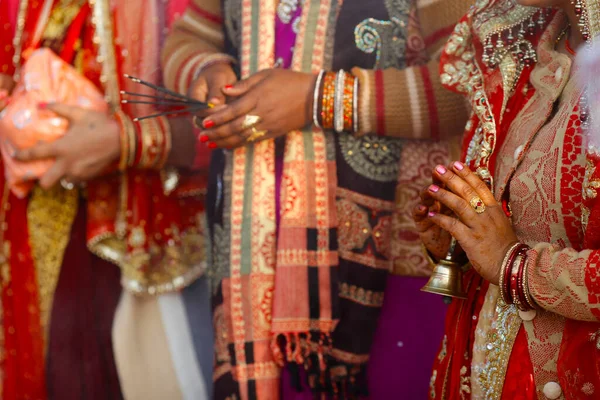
(465, 383)
(590, 185)
(432, 384)
(499, 345)
(444, 350)
(359, 295)
(50, 216)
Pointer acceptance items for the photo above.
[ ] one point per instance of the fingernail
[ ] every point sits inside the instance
(204, 139)
(42, 106)
(459, 166)
(431, 214)
(434, 188)
(207, 124)
(441, 169)
(422, 208)
(228, 87)
(212, 145)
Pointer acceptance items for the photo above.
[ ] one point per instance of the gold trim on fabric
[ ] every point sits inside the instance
(593, 12)
(103, 38)
(18, 39)
(50, 216)
(500, 339)
(61, 18)
(498, 17)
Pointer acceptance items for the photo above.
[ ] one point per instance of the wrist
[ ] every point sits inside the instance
(513, 277)
(213, 61)
(335, 102)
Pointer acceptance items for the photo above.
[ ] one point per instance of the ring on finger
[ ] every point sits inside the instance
(197, 122)
(67, 185)
(250, 121)
(256, 134)
(477, 204)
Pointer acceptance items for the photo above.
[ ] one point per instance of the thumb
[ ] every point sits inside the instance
(70, 113)
(242, 87)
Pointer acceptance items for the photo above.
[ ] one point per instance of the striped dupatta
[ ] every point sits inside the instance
(287, 273)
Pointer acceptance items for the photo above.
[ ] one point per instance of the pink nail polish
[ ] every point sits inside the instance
(434, 188)
(441, 169)
(459, 166)
(431, 214)
(422, 208)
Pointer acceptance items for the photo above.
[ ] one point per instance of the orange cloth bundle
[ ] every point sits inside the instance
(45, 78)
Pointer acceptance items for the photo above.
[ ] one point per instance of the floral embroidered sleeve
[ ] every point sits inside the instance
(566, 281)
(195, 41)
(411, 103)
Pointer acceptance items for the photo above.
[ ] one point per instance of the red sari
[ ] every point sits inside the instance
(526, 134)
(61, 281)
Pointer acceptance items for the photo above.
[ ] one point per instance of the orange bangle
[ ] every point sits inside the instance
(328, 100)
(349, 103)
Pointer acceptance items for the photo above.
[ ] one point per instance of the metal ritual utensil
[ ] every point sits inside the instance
(447, 276)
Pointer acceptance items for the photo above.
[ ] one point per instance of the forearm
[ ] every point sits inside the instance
(565, 281)
(409, 104)
(183, 148)
(195, 40)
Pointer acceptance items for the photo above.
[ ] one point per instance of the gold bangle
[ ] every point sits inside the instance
(151, 142)
(127, 138)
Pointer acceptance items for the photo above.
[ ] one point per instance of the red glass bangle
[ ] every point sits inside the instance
(506, 290)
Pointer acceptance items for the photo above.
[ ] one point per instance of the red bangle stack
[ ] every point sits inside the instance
(514, 287)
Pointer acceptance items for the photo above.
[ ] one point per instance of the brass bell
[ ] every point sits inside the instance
(447, 276)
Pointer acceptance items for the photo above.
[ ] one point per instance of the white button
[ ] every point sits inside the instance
(552, 390)
(527, 315)
(558, 74)
(518, 152)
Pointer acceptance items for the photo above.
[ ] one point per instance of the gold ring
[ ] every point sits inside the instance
(67, 185)
(250, 121)
(477, 204)
(256, 134)
(197, 122)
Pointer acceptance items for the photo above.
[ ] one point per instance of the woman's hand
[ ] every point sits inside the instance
(435, 239)
(485, 237)
(281, 98)
(207, 86)
(87, 150)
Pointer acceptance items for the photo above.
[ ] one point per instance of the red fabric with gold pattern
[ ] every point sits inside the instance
(161, 217)
(519, 384)
(452, 366)
(23, 363)
(453, 374)
(6, 36)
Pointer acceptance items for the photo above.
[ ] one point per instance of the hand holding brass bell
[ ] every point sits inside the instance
(447, 276)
